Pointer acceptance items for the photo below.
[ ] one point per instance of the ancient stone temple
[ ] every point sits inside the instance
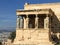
(36, 23)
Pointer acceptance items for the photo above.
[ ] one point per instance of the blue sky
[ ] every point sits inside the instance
(8, 11)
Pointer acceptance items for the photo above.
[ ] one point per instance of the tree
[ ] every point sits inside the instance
(12, 36)
(0, 43)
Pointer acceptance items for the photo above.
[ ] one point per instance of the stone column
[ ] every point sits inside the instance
(36, 22)
(46, 22)
(27, 21)
(21, 22)
(18, 22)
(24, 22)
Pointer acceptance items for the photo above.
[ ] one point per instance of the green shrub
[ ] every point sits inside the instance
(0, 43)
(12, 36)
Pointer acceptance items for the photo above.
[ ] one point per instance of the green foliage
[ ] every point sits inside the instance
(12, 36)
(0, 43)
(58, 44)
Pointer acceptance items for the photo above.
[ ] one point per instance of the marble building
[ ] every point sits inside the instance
(36, 23)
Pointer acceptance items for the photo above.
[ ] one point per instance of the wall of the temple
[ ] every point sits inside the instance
(39, 35)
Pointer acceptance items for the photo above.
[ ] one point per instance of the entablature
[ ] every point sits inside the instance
(35, 11)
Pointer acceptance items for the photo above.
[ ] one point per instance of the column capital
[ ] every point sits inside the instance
(27, 15)
(36, 15)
